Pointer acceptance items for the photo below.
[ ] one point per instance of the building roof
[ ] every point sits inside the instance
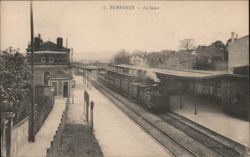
(233, 39)
(185, 74)
(60, 74)
(49, 46)
(51, 52)
(88, 67)
(236, 41)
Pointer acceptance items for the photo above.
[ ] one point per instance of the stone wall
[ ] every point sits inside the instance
(19, 136)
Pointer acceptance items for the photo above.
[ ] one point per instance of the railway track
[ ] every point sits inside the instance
(171, 131)
(215, 141)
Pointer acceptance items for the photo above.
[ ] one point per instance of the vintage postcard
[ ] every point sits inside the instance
(124, 78)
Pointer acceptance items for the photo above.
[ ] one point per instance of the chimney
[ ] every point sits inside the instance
(232, 36)
(37, 43)
(59, 42)
(236, 36)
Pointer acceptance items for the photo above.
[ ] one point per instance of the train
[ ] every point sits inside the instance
(146, 94)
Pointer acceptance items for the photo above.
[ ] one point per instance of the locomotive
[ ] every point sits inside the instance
(146, 94)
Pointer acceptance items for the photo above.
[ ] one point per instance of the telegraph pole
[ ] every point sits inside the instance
(32, 116)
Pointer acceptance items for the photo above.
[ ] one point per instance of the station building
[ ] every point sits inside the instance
(51, 65)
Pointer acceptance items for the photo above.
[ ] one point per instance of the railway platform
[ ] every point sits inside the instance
(77, 139)
(46, 133)
(211, 116)
(116, 133)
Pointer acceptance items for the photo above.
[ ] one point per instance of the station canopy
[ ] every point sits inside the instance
(188, 74)
(87, 67)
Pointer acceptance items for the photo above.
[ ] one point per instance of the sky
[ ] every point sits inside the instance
(97, 33)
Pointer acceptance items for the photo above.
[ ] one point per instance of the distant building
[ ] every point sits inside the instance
(214, 55)
(137, 59)
(52, 65)
(238, 53)
(214, 52)
(180, 60)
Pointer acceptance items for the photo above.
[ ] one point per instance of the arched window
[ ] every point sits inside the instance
(46, 78)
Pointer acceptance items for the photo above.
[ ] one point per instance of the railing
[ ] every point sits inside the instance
(55, 143)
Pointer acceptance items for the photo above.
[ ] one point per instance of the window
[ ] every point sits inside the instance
(51, 60)
(46, 78)
(43, 59)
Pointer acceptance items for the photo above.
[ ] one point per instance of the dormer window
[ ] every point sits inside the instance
(51, 60)
(43, 60)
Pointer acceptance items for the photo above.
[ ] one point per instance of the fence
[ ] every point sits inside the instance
(13, 138)
(19, 136)
(55, 143)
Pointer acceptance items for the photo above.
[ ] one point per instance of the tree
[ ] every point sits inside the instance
(14, 83)
(122, 57)
(158, 59)
(154, 59)
(187, 44)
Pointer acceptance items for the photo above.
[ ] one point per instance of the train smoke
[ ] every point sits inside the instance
(152, 76)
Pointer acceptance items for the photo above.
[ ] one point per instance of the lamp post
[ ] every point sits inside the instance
(181, 97)
(195, 101)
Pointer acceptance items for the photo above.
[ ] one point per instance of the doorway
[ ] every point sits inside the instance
(65, 89)
(55, 87)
